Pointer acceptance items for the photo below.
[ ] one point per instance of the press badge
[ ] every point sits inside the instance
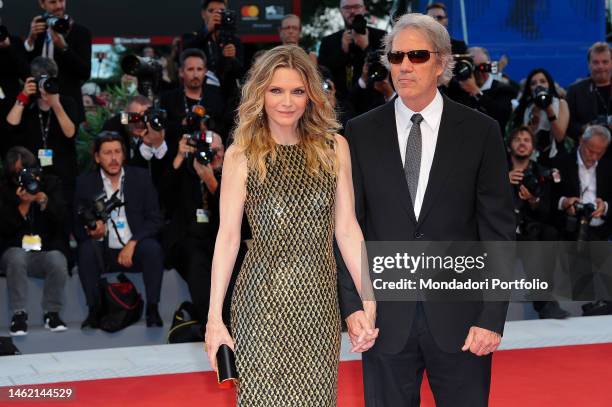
(202, 216)
(120, 223)
(45, 156)
(31, 242)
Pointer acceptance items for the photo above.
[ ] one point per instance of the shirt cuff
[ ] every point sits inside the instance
(605, 208)
(161, 151)
(560, 204)
(362, 83)
(27, 46)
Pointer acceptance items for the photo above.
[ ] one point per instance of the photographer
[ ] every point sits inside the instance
(531, 184)
(14, 67)
(373, 88)
(218, 40)
(474, 86)
(344, 51)
(56, 36)
(439, 12)
(546, 115)
(191, 189)
(32, 215)
(147, 147)
(196, 91)
(44, 122)
(582, 201)
(589, 98)
(124, 239)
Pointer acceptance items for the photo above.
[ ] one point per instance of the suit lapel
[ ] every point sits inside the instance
(391, 158)
(447, 147)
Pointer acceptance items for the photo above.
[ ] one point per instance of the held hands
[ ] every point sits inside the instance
(481, 341)
(216, 335)
(362, 332)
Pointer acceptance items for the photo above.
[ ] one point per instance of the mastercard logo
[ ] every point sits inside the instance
(249, 11)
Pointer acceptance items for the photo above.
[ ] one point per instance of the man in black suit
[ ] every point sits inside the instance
(586, 178)
(196, 90)
(128, 239)
(71, 51)
(427, 169)
(344, 51)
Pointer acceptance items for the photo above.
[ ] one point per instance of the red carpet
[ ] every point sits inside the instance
(555, 377)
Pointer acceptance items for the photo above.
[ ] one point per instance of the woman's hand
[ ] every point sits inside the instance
(216, 335)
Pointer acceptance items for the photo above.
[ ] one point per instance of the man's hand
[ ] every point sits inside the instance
(361, 40)
(361, 331)
(152, 137)
(229, 51)
(42, 199)
(481, 341)
(207, 175)
(384, 87)
(213, 22)
(59, 41)
(52, 99)
(98, 232)
(6, 43)
(37, 27)
(516, 176)
(525, 195)
(126, 254)
(347, 38)
(601, 207)
(29, 87)
(183, 149)
(469, 86)
(568, 205)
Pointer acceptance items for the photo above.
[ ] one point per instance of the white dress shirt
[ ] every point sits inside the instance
(117, 215)
(432, 114)
(588, 188)
(148, 152)
(48, 50)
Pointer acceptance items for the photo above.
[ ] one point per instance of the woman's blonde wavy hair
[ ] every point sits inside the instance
(316, 128)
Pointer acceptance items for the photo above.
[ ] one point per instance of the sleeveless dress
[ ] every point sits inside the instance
(285, 316)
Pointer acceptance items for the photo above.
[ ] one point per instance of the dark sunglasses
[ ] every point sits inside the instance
(417, 56)
(439, 18)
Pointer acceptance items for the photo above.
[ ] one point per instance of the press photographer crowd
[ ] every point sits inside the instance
(150, 202)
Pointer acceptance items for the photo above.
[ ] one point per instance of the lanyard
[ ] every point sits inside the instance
(44, 129)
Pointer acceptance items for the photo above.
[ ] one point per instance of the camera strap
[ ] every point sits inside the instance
(199, 102)
(44, 128)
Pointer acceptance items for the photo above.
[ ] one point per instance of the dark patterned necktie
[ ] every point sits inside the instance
(412, 163)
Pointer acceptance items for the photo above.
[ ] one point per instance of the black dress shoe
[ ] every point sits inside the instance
(152, 316)
(596, 308)
(552, 310)
(93, 318)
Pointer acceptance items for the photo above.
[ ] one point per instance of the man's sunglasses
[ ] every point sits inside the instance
(417, 56)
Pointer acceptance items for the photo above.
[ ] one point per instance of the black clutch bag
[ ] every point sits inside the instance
(227, 373)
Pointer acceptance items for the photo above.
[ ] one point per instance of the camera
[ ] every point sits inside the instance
(465, 67)
(29, 179)
(376, 70)
(359, 24)
(326, 86)
(48, 83)
(60, 25)
(195, 119)
(4, 33)
(154, 116)
(197, 134)
(100, 209)
(542, 97)
(535, 181)
(147, 70)
(227, 28)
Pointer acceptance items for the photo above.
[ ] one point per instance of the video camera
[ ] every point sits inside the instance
(29, 180)
(465, 67)
(147, 70)
(542, 97)
(100, 209)
(376, 70)
(156, 117)
(60, 25)
(197, 134)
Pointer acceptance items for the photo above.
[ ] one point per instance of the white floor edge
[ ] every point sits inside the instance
(190, 357)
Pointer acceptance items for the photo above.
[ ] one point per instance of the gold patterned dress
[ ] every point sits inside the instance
(285, 317)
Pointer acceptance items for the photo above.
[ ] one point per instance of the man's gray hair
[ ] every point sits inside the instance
(596, 130)
(474, 50)
(43, 66)
(434, 31)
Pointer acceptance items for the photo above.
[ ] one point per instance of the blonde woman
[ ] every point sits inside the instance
(291, 174)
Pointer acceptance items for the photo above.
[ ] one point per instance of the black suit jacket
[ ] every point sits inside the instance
(468, 198)
(74, 64)
(570, 186)
(584, 106)
(141, 202)
(332, 57)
